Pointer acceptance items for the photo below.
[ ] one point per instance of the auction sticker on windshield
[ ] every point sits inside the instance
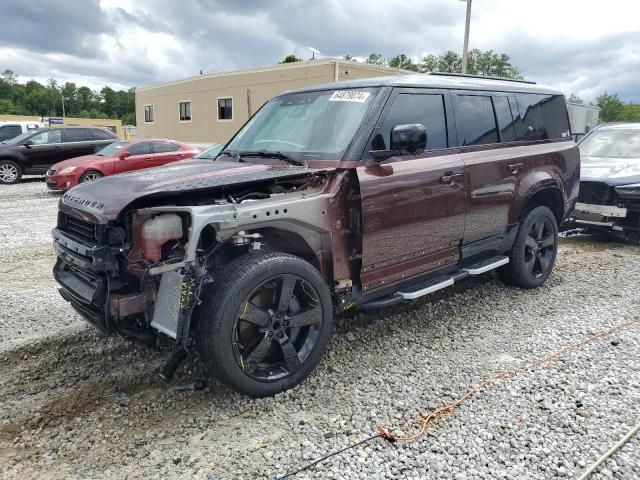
(349, 96)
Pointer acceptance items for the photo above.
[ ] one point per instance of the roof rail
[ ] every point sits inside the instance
(446, 74)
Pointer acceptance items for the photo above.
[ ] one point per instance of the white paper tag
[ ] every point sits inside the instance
(349, 96)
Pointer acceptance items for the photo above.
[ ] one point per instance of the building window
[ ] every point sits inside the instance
(225, 108)
(185, 111)
(148, 114)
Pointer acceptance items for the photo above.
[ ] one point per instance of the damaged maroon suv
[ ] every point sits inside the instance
(358, 194)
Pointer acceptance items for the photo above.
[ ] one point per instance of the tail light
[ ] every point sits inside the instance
(156, 232)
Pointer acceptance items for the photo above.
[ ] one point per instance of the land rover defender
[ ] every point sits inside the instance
(357, 194)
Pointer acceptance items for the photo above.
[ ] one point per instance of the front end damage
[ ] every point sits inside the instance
(611, 207)
(139, 274)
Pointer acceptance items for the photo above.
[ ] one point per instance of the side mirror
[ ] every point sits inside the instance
(27, 143)
(124, 155)
(409, 139)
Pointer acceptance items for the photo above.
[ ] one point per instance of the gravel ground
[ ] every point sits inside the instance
(76, 405)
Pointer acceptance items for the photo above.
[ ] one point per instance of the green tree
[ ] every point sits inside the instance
(630, 113)
(291, 58)
(376, 59)
(403, 62)
(573, 98)
(349, 57)
(6, 106)
(482, 63)
(610, 107)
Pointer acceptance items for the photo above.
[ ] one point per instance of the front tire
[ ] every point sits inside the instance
(90, 176)
(534, 250)
(10, 172)
(264, 326)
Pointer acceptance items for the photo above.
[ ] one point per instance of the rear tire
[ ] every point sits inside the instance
(10, 172)
(264, 327)
(90, 176)
(534, 250)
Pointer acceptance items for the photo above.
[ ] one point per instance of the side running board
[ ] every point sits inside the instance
(434, 287)
(439, 283)
(487, 265)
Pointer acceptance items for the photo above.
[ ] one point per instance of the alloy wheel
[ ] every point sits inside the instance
(91, 177)
(8, 173)
(540, 246)
(277, 327)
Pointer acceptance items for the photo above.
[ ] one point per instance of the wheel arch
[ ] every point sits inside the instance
(301, 240)
(13, 159)
(549, 196)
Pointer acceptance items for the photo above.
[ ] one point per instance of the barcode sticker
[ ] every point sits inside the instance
(349, 96)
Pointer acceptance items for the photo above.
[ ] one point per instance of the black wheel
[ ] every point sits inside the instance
(10, 172)
(90, 176)
(264, 327)
(534, 250)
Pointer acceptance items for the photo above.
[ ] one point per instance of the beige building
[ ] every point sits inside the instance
(211, 108)
(112, 124)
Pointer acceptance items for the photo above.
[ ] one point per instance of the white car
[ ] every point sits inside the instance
(10, 129)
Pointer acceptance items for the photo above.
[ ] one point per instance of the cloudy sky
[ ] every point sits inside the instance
(580, 46)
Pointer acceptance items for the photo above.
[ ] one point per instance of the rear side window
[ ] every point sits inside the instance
(506, 124)
(139, 148)
(408, 108)
(162, 147)
(475, 121)
(77, 135)
(541, 117)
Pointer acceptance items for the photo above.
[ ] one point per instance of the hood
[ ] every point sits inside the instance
(85, 160)
(612, 171)
(103, 200)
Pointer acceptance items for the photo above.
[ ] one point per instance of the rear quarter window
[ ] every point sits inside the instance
(100, 134)
(541, 117)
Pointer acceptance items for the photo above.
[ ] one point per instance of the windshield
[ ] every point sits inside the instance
(210, 153)
(20, 138)
(112, 149)
(306, 125)
(612, 143)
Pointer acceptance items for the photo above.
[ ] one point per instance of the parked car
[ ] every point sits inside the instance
(358, 194)
(11, 129)
(118, 157)
(32, 153)
(609, 196)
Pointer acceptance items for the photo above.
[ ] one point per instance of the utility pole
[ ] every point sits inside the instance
(465, 49)
(62, 98)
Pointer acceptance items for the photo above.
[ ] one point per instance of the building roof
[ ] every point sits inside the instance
(438, 80)
(281, 66)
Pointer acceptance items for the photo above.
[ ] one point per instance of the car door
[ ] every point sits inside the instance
(137, 156)
(494, 165)
(164, 152)
(78, 142)
(42, 150)
(413, 206)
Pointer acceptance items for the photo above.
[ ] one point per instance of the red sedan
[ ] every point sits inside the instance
(118, 157)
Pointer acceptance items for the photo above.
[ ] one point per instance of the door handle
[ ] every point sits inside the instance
(450, 177)
(515, 167)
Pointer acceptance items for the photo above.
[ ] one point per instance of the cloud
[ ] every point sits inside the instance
(123, 43)
(60, 26)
